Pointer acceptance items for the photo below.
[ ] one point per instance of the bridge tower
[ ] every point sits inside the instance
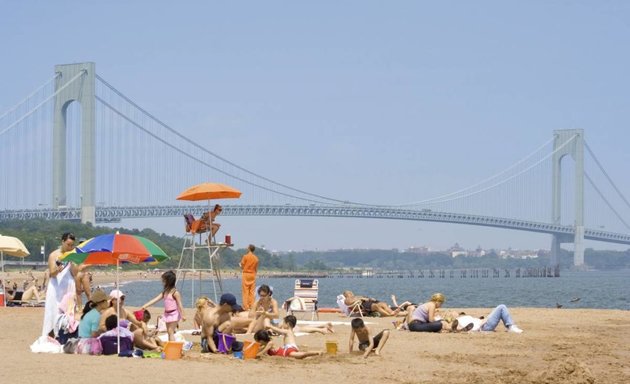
(568, 142)
(82, 90)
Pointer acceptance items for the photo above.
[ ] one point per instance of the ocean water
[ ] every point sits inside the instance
(595, 289)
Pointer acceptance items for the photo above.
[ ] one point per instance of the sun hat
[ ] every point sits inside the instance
(98, 296)
(116, 294)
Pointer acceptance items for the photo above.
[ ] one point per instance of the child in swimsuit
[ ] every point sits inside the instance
(367, 344)
(173, 310)
(289, 348)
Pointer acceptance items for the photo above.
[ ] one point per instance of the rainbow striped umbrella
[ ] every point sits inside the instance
(115, 248)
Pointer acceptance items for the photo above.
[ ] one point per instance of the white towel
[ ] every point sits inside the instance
(58, 287)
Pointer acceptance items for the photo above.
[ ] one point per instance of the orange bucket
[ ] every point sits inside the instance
(173, 350)
(250, 349)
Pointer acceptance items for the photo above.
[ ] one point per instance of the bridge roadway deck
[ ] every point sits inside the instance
(115, 214)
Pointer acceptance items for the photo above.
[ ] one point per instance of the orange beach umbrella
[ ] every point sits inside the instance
(209, 191)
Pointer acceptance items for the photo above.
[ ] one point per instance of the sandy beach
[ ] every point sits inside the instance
(558, 346)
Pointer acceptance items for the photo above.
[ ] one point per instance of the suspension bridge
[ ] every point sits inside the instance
(77, 148)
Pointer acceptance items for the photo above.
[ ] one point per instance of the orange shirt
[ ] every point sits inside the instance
(249, 263)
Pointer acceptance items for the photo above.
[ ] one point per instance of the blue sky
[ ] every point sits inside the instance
(383, 102)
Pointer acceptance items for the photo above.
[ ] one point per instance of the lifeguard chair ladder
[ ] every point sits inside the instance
(189, 249)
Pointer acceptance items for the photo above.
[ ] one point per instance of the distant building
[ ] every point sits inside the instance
(457, 251)
(418, 250)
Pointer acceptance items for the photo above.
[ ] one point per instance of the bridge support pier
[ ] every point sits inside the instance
(83, 91)
(568, 142)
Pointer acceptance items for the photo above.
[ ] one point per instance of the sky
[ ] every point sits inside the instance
(379, 102)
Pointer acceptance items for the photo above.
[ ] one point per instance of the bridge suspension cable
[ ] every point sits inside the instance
(170, 145)
(606, 175)
(33, 110)
(444, 198)
(599, 192)
(27, 98)
(205, 150)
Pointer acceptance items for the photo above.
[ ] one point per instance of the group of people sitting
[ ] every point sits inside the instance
(28, 293)
(428, 318)
(262, 320)
(104, 319)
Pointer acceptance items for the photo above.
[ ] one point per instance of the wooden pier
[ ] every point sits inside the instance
(468, 273)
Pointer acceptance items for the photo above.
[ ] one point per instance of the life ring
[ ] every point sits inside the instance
(328, 310)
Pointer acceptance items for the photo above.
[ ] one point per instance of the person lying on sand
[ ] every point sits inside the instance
(488, 323)
(289, 347)
(369, 304)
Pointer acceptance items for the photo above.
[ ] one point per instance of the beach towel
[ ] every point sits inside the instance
(89, 346)
(58, 287)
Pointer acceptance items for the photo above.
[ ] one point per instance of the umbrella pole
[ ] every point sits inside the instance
(2, 256)
(192, 281)
(118, 308)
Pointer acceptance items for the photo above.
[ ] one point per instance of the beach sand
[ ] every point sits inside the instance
(558, 346)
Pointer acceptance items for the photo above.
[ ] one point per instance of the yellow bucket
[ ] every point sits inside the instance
(173, 350)
(331, 347)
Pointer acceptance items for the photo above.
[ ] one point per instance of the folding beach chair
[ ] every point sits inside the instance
(353, 310)
(304, 300)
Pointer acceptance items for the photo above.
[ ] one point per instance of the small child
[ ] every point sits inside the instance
(144, 338)
(289, 349)
(109, 338)
(173, 310)
(202, 304)
(367, 343)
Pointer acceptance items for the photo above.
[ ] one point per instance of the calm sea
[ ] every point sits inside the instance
(595, 289)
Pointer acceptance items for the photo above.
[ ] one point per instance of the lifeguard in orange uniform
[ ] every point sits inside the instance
(249, 266)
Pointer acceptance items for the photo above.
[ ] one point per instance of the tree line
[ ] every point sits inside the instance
(35, 233)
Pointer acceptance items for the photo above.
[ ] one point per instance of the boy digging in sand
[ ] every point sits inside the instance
(366, 342)
(289, 349)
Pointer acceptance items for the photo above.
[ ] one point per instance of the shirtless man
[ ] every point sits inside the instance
(217, 319)
(81, 279)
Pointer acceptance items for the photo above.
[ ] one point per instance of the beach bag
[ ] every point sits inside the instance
(63, 336)
(90, 346)
(110, 345)
(225, 341)
(46, 344)
(71, 346)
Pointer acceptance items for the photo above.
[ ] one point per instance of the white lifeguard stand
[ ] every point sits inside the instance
(187, 267)
(207, 243)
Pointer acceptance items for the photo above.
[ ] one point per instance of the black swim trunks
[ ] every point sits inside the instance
(377, 339)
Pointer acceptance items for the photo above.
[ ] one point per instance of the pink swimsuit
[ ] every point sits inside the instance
(171, 312)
